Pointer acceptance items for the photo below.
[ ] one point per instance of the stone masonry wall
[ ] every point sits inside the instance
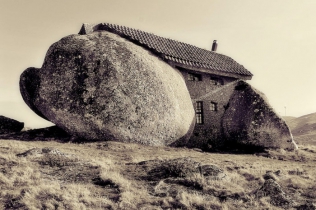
(200, 88)
(207, 92)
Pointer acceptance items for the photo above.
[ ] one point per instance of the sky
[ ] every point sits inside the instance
(274, 39)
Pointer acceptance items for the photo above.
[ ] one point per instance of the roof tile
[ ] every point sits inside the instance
(176, 51)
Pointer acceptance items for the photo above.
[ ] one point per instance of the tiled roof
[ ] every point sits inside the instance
(171, 50)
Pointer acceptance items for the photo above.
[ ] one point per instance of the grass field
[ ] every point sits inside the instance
(112, 175)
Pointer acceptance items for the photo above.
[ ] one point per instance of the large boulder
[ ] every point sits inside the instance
(102, 87)
(8, 125)
(249, 120)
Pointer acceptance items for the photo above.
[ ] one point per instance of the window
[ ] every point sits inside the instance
(194, 77)
(199, 112)
(216, 81)
(213, 106)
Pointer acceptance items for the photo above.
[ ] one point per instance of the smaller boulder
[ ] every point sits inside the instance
(8, 125)
(269, 188)
(273, 190)
(181, 168)
(35, 152)
(212, 172)
(270, 175)
(249, 120)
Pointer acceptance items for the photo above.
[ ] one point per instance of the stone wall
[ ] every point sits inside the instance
(242, 119)
(206, 91)
(212, 126)
(200, 88)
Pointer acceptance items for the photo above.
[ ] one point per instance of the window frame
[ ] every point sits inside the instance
(216, 81)
(213, 107)
(194, 77)
(199, 113)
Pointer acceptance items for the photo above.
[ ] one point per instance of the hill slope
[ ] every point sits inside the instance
(303, 128)
(288, 118)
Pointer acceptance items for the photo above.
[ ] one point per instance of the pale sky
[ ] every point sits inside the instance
(274, 39)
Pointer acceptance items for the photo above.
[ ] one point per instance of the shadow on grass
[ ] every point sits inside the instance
(57, 134)
(52, 133)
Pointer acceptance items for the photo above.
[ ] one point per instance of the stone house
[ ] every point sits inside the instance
(227, 109)
(206, 72)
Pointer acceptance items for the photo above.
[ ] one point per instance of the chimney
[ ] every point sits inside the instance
(214, 46)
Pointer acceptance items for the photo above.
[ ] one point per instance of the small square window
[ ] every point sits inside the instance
(194, 77)
(216, 81)
(213, 106)
(199, 106)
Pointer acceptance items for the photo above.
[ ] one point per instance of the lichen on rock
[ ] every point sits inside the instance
(250, 120)
(102, 87)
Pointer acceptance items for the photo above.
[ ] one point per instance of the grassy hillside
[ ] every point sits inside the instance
(112, 175)
(288, 118)
(303, 128)
(303, 125)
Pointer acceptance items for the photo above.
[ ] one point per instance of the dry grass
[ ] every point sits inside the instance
(109, 175)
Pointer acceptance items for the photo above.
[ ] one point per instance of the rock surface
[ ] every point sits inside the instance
(103, 87)
(273, 190)
(41, 151)
(171, 176)
(250, 120)
(8, 125)
(178, 168)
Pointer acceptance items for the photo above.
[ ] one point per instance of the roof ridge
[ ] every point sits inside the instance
(166, 38)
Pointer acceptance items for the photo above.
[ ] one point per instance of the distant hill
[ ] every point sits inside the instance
(303, 128)
(288, 118)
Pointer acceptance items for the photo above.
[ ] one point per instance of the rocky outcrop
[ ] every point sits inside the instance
(102, 87)
(41, 152)
(272, 189)
(250, 120)
(8, 125)
(156, 170)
